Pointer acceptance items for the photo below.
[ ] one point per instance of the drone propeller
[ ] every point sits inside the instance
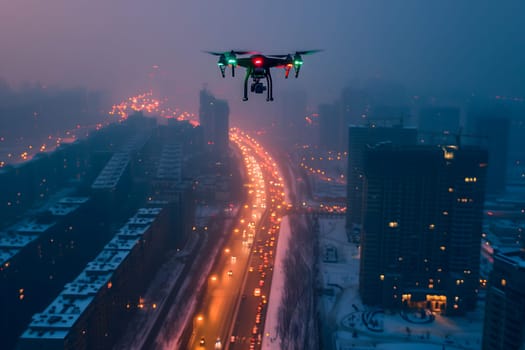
(307, 52)
(295, 61)
(297, 53)
(232, 52)
(228, 58)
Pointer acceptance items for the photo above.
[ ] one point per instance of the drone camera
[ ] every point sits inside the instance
(258, 88)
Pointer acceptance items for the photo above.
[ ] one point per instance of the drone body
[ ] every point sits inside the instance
(258, 67)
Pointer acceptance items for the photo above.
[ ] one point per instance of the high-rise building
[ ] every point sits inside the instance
(496, 131)
(359, 137)
(214, 119)
(491, 124)
(422, 226)
(504, 326)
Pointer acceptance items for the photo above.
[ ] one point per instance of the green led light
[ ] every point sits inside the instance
(232, 61)
(298, 63)
(220, 64)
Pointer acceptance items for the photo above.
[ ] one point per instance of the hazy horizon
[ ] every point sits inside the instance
(114, 46)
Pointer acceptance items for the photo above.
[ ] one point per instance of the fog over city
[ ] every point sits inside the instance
(428, 47)
(168, 179)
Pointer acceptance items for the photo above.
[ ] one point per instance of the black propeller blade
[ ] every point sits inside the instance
(234, 52)
(214, 53)
(306, 52)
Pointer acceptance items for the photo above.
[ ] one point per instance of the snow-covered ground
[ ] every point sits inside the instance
(271, 338)
(354, 326)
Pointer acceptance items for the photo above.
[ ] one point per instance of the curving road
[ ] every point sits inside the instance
(233, 310)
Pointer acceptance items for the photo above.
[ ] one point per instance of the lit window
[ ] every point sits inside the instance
(382, 277)
(503, 282)
(393, 224)
(431, 226)
(443, 248)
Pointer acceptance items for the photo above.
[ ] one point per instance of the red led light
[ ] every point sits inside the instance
(258, 61)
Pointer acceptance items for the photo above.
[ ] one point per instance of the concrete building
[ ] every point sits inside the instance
(359, 138)
(38, 255)
(504, 326)
(421, 235)
(92, 310)
(214, 120)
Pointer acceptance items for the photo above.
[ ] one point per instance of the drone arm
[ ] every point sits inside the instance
(233, 70)
(287, 71)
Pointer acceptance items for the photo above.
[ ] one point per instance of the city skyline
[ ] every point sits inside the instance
(122, 48)
(377, 200)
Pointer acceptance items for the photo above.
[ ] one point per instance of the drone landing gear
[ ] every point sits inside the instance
(246, 76)
(258, 87)
(269, 92)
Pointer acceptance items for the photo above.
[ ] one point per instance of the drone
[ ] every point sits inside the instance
(258, 67)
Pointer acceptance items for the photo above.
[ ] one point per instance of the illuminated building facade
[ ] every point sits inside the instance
(504, 326)
(422, 227)
(359, 137)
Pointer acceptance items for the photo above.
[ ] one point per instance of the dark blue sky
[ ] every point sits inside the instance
(112, 45)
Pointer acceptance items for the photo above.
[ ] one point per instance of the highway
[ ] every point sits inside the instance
(232, 312)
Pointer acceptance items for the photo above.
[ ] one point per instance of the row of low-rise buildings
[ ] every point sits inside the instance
(93, 309)
(136, 164)
(120, 169)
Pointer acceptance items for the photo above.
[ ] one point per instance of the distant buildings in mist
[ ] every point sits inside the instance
(492, 123)
(214, 121)
(36, 111)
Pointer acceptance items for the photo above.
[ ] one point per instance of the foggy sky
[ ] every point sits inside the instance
(113, 44)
